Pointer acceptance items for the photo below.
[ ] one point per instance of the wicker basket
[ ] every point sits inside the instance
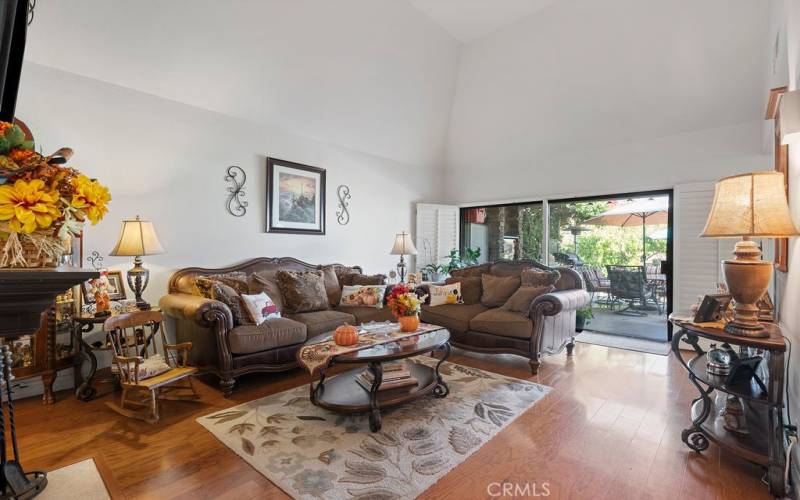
(35, 258)
(28, 254)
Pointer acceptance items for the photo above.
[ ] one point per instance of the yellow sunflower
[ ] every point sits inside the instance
(28, 206)
(91, 197)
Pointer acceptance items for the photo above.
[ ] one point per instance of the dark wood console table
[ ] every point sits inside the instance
(764, 445)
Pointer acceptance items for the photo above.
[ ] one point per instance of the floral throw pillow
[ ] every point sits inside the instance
(363, 296)
(445, 294)
(260, 307)
(302, 291)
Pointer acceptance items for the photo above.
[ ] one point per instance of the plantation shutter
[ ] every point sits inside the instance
(697, 266)
(436, 234)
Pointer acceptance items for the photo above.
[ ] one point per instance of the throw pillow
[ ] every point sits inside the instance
(302, 291)
(235, 279)
(265, 282)
(497, 289)
(363, 295)
(227, 295)
(332, 286)
(471, 271)
(470, 288)
(152, 366)
(524, 296)
(445, 294)
(363, 279)
(539, 277)
(260, 307)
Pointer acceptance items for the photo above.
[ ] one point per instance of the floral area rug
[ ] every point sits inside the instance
(310, 452)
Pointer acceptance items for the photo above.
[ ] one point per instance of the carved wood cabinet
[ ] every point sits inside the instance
(48, 350)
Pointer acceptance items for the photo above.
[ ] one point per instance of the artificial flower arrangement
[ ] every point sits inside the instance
(43, 203)
(405, 305)
(403, 301)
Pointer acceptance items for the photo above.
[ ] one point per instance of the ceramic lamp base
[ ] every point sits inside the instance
(748, 278)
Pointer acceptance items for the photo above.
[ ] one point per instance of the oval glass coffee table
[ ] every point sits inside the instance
(343, 394)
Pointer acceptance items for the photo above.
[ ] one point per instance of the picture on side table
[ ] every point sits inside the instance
(295, 198)
(116, 288)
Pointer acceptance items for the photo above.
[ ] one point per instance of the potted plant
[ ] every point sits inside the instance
(405, 305)
(435, 272)
(582, 318)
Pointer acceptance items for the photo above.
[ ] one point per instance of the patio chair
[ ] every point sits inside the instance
(629, 285)
(597, 283)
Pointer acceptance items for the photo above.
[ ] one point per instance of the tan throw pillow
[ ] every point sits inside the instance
(363, 296)
(497, 289)
(539, 277)
(236, 280)
(332, 286)
(302, 291)
(524, 296)
(230, 297)
(266, 282)
(445, 294)
(363, 279)
(470, 288)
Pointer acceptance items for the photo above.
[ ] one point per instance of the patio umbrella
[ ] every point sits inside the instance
(640, 212)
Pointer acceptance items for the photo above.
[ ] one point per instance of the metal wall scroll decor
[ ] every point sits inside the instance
(96, 260)
(236, 204)
(343, 215)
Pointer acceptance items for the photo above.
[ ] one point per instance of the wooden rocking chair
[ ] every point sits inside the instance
(147, 376)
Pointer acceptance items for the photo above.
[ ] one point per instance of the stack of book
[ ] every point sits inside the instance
(396, 377)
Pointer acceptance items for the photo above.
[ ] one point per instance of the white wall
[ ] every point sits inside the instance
(602, 97)
(166, 161)
(371, 75)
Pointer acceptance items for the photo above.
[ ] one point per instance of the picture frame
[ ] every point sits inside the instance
(295, 198)
(116, 288)
(714, 307)
(781, 154)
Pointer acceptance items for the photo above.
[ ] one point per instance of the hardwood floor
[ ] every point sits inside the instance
(609, 429)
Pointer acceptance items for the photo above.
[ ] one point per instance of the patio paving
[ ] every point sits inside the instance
(650, 327)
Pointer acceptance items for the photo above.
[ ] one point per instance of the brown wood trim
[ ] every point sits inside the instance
(109, 479)
(772, 102)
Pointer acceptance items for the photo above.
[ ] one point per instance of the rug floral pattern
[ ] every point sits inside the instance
(313, 453)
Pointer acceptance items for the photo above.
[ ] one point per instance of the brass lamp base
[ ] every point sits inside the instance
(748, 278)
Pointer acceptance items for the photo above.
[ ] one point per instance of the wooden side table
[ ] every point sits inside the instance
(764, 444)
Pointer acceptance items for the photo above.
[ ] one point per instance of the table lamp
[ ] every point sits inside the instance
(749, 206)
(138, 238)
(403, 246)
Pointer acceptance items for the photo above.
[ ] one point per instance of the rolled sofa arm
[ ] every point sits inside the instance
(205, 312)
(553, 303)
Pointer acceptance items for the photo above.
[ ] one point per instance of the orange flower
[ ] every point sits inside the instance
(18, 154)
(28, 206)
(91, 197)
(5, 126)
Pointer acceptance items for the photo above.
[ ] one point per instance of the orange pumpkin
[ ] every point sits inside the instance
(346, 335)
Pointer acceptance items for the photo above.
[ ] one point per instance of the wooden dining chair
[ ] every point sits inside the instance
(146, 372)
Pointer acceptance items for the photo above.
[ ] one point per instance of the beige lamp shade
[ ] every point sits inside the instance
(750, 205)
(138, 238)
(403, 245)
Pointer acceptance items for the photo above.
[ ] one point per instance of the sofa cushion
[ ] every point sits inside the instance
(271, 334)
(471, 271)
(539, 277)
(218, 290)
(363, 279)
(503, 323)
(470, 288)
(332, 286)
(266, 282)
(451, 316)
(302, 291)
(497, 289)
(521, 300)
(235, 279)
(366, 314)
(319, 322)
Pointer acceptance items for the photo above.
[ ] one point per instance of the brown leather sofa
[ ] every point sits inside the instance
(230, 351)
(548, 328)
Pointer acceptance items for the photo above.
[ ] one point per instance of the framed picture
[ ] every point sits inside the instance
(295, 198)
(116, 288)
(713, 308)
(781, 165)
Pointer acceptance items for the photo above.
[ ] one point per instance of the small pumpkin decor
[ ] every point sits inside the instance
(405, 305)
(346, 335)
